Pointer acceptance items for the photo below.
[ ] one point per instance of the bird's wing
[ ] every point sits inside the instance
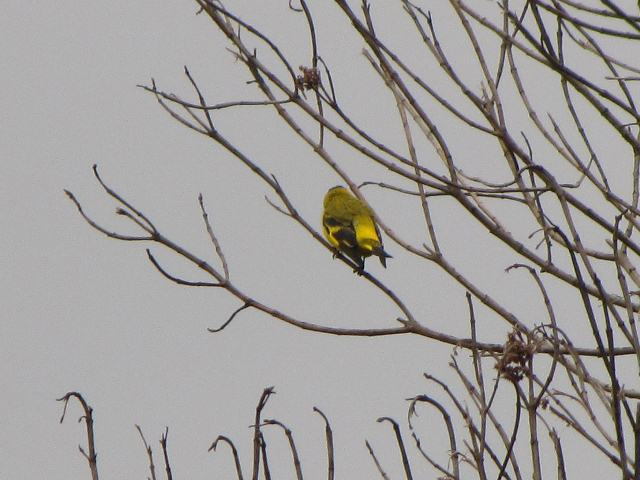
(342, 232)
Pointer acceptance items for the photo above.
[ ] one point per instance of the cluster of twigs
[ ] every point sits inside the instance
(260, 458)
(536, 33)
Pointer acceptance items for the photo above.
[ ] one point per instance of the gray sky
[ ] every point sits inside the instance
(83, 312)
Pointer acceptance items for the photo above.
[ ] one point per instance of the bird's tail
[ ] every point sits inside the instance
(382, 255)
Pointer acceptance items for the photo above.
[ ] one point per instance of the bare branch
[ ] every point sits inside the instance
(292, 445)
(375, 459)
(403, 451)
(152, 468)
(258, 441)
(92, 456)
(234, 451)
(214, 239)
(452, 437)
(329, 437)
(163, 443)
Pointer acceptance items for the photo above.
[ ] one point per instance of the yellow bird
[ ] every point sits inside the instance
(348, 225)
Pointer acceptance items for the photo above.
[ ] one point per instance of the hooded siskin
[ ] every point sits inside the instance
(348, 224)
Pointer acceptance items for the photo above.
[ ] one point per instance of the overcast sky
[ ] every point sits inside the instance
(83, 312)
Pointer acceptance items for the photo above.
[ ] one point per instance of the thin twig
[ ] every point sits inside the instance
(329, 438)
(400, 442)
(375, 460)
(234, 451)
(147, 447)
(91, 457)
